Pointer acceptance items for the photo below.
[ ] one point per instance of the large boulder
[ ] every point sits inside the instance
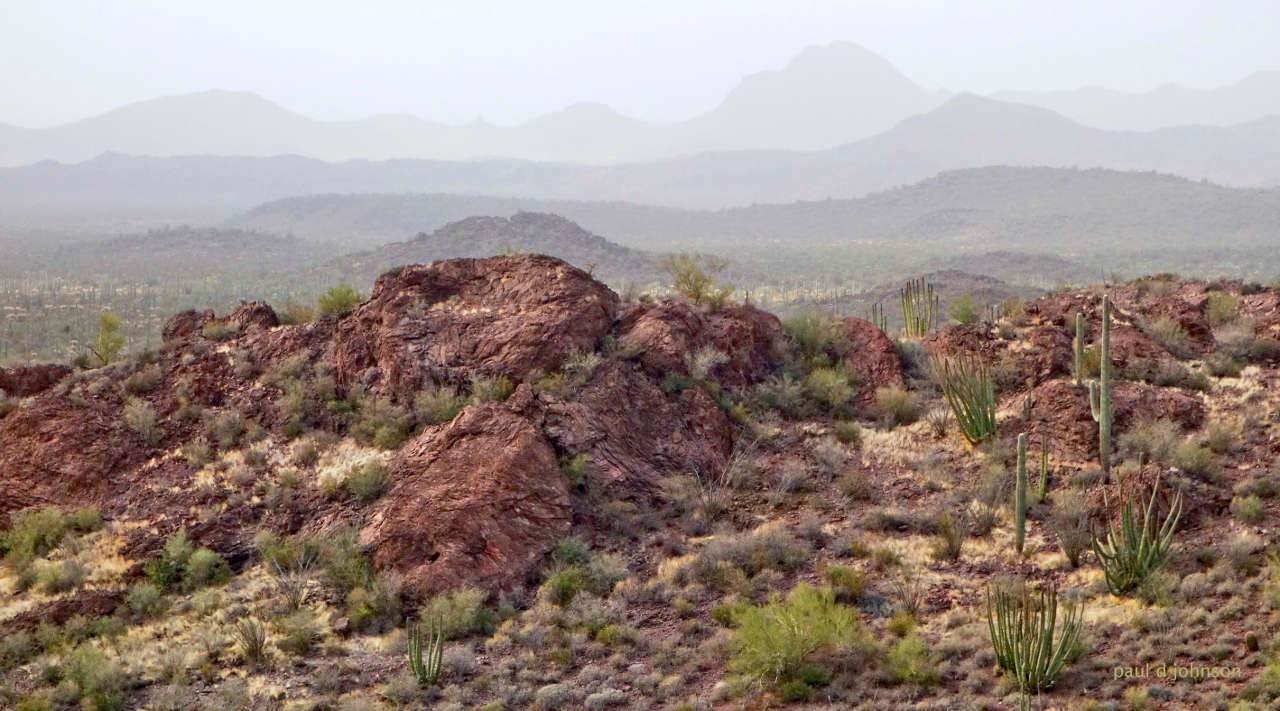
(25, 381)
(663, 336)
(454, 319)
(872, 357)
(478, 502)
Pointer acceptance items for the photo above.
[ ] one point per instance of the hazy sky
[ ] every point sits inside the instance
(661, 59)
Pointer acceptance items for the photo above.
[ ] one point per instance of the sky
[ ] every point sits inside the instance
(660, 60)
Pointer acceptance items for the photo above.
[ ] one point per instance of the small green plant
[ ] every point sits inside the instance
(490, 389)
(907, 662)
(1249, 509)
(831, 388)
(773, 641)
(338, 300)
(694, 277)
(425, 670)
(251, 637)
(962, 310)
(896, 406)
(970, 392)
(1022, 626)
(438, 404)
(1070, 523)
(141, 419)
(369, 481)
(1170, 334)
(1135, 550)
(950, 537)
(107, 344)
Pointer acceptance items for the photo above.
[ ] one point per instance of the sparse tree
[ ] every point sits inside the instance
(338, 300)
(107, 344)
(693, 276)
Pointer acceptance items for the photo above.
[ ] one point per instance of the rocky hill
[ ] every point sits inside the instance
(593, 503)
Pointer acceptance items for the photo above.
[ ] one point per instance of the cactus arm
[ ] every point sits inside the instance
(1020, 495)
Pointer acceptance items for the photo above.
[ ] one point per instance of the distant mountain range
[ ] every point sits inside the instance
(824, 97)
(965, 132)
(1254, 97)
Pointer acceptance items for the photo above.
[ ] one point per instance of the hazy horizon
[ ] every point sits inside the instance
(507, 63)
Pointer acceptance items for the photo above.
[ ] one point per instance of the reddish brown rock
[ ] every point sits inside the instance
(478, 502)
(450, 320)
(661, 336)
(1061, 412)
(634, 434)
(872, 357)
(185, 325)
(253, 316)
(89, 604)
(25, 381)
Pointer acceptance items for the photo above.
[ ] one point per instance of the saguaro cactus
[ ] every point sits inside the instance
(1020, 495)
(1078, 343)
(1100, 392)
(919, 308)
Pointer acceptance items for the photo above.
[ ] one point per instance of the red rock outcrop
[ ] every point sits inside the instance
(25, 381)
(872, 357)
(1061, 412)
(660, 336)
(449, 320)
(477, 502)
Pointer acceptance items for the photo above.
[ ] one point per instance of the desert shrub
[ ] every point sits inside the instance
(1150, 440)
(460, 613)
(938, 418)
(33, 532)
(368, 482)
(225, 428)
(54, 578)
(846, 583)
(205, 567)
(297, 632)
(251, 639)
(779, 392)
(490, 389)
(831, 388)
(1069, 522)
(99, 680)
(908, 662)
(951, 531)
(1221, 365)
(338, 300)
(848, 432)
(1170, 335)
(142, 380)
(8, 403)
(818, 338)
(1265, 350)
(751, 553)
(437, 404)
(295, 554)
(1195, 459)
(1165, 372)
(381, 423)
(106, 346)
(1249, 509)
(694, 277)
(1236, 340)
(563, 584)
(895, 406)
(1219, 437)
(374, 606)
(146, 600)
(963, 310)
(773, 641)
(218, 330)
(295, 312)
(141, 419)
(700, 362)
(183, 566)
(1221, 308)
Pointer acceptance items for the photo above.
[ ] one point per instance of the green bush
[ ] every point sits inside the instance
(773, 641)
(141, 419)
(205, 567)
(846, 583)
(693, 277)
(338, 300)
(1140, 545)
(54, 578)
(33, 532)
(1170, 335)
(908, 662)
(107, 344)
(1221, 308)
(368, 482)
(98, 679)
(1195, 459)
(831, 388)
(143, 380)
(438, 404)
(963, 310)
(1249, 509)
(459, 614)
(848, 432)
(895, 406)
(218, 330)
(1150, 440)
(225, 428)
(146, 600)
(182, 566)
(491, 389)
(381, 423)
(818, 338)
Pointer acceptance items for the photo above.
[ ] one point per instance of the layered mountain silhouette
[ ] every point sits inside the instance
(1254, 97)
(824, 97)
(967, 131)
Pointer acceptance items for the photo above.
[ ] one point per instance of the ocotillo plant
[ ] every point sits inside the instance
(1022, 634)
(1100, 392)
(1078, 343)
(427, 671)
(970, 392)
(919, 308)
(1133, 551)
(1020, 496)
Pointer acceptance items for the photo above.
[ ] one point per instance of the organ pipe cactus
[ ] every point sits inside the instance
(919, 308)
(1020, 496)
(1022, 626)
(879, 318)
(427, 671)
(1100, 392)
(1044, 468)
(967, 385)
